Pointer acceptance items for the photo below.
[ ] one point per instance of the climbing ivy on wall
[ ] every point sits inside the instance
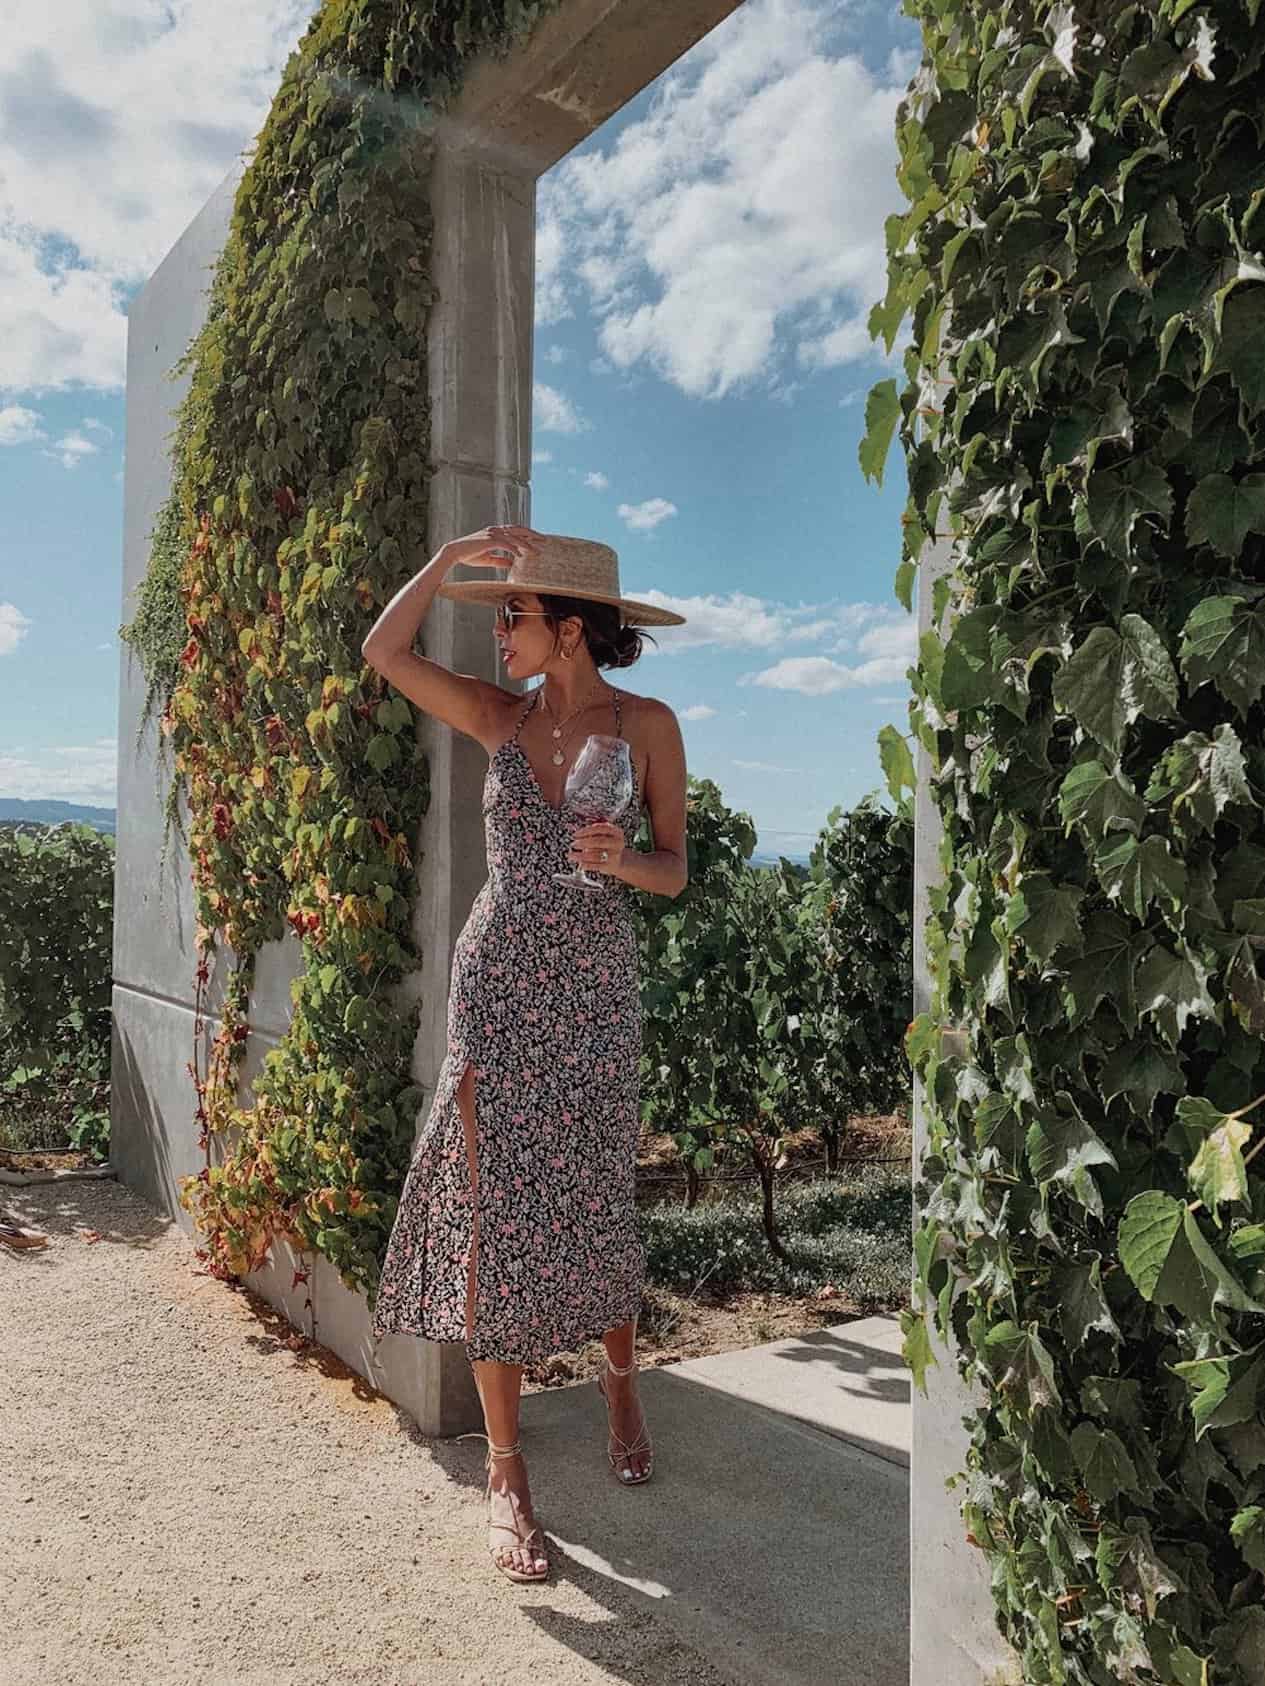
(1083, 418)
(298, 508)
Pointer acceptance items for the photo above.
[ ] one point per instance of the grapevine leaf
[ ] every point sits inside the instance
(1222, 512)
(1137, 874)
(1167, 1258)
(1083, 1308)
(1247, 1530)
(1174, 987)
(1104, 1462)
(882, 412)
(1043, 915)
(1113, 677)
(1224, 1390)
(1118, 498)
(1224, 641)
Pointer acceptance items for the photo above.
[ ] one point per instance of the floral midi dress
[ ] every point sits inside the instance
(544, 1002)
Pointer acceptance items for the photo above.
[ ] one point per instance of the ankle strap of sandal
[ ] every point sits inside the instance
(494, 1451)
(618, 1370)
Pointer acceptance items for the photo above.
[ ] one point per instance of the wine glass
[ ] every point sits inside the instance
(599, 787)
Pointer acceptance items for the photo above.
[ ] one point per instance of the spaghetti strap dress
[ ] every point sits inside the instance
(544, 1004)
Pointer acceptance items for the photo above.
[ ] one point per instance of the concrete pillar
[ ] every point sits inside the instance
(953, 1634)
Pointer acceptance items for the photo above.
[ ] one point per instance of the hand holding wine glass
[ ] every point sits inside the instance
(599, 787)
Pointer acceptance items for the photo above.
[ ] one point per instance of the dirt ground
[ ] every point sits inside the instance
(672, 1326)
(191, 1495)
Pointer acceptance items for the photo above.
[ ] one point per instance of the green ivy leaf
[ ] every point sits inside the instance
(1026, 1369)
(967, 679)
(1224, 641)
(1113, 677)
(1224, 1390)
(1099, 799)
(1083, 1308)
(897, 763)
(1247, 1530)
(1222, 512)
(1061, 1148)
(1126, 1562)
(1105, 970)
(1045, 916)
(1142, 1070)
(1167, 1258)
(1200, 776)
(1103, 1461)
(916, 1347)
(882, 412)
(1138, 873)
(1119, 498)
(1242, 352)
(1174, 987)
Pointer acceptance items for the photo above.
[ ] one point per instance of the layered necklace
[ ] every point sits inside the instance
(558, 756)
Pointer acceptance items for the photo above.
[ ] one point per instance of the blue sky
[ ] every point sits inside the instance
(705, 264)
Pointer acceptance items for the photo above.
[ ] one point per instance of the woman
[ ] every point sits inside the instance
(516, 1229)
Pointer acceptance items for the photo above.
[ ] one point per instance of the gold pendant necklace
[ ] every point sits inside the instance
(558, 758)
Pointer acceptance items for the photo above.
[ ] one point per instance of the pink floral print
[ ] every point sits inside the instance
(544, 1003)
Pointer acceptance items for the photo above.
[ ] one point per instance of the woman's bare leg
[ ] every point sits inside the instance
(626, 1415)
(499, 1385)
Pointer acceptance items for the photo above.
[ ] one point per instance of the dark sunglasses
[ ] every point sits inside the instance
(505, 616)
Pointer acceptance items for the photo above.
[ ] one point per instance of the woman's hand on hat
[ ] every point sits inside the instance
(591, 841)
(487, 547)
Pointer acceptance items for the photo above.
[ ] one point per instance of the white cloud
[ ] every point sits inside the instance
(13, 625)
(597, 480)
(554, 411)
(542, 456)
(891, 649)
(557, 354)
(118, 118)
(19, 426)
(71, 448)
(894, 640)
(645, 517)
(740, 222)
(85, 773)
(765, 767)
(98, 426)
(697, 711)
(740, 621)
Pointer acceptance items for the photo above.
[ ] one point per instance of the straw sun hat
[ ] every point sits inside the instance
(571, 567)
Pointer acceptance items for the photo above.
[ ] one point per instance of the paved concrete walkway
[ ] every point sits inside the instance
(774, 1536)
(187, 1500)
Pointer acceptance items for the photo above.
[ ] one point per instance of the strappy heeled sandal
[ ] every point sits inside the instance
(641, 1444)
(533, 1541)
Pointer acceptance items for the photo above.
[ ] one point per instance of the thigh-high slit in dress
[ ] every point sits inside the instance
(544, 1004)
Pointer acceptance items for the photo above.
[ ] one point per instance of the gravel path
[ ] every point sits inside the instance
(184, 1498)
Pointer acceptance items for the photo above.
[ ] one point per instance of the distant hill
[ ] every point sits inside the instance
(15, 810)
(762, 858)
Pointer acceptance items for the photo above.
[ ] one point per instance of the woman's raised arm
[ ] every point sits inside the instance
(461, 700)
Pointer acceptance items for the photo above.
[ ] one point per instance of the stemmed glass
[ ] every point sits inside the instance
(599, 787)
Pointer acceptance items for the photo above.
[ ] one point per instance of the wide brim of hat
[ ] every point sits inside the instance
(635, 612)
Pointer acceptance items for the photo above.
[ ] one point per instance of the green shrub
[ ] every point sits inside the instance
(854, 1234)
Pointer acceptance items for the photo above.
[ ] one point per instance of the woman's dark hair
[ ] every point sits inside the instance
(610, 643)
